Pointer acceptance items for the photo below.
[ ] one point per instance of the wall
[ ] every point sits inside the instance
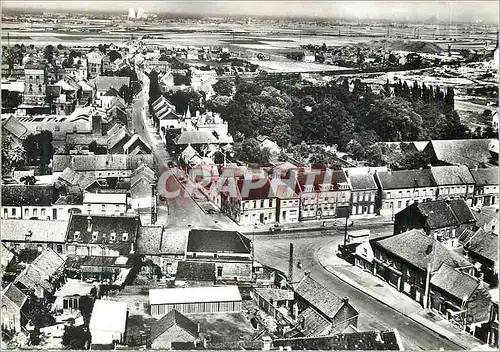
(159, 310)
(109, 209)
(401, 198)
(346, 316)
(174, 334)
(105, 337)
(11, 316)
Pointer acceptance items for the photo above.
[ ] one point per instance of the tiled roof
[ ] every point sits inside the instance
(454, 282)
(462, 211)
(486, 245)
(103, 83)
(485, 216)
(32, 277)
(100, 162)
(15, 295)
(144, 171)
(170, 319)
(328, 176)
(216, 241)
(13, 126)
(365, 340)
(116, 138)
(174, 243)
(485, 177)
(136, 140)
(412, 245)
(470, 152)
(405, 179)
(362, 182)
(70, 176)
(255, 188)
(196, 137)
(27, 195)
(103, 226)
(195, 271)
(275, 294)
(318, 296)
(15, 230)
(48, 262)
(438, 214)
(452, 175)
(314, 322)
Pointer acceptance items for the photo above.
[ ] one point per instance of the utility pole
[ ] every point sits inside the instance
(290, 264)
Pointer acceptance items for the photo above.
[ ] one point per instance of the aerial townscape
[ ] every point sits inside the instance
(217, 176)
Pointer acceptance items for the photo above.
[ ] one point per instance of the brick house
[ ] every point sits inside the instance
(486, 186)
(363, 194)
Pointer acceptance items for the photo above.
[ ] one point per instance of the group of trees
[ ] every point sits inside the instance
(39, 150)
(13, 155)
(348, 115)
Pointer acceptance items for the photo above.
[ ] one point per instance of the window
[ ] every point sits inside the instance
(262, 203)
(112, 237)
(26, 212)
(30, 90)
(117, 208)
(219, 271)
(103, 207)
(399, 204)
(400, 195)
(57, 128)
(94, 236)
(270, 202)
(216, 256)
(39, 88)
(388, 194)
(59, 248)
(6, 213)
(407, 203)
(254, 204)
(125, 237)
(42, 212)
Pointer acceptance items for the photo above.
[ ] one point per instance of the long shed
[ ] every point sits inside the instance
(219, 299)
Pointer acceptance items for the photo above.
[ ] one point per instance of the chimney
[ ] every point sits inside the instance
(345, 299)
(267, 343)
(89, 224)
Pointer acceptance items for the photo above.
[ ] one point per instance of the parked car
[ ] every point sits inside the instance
(211, 211)
(275, 228)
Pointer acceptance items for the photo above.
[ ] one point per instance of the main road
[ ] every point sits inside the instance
(273, 250)
(179, 212)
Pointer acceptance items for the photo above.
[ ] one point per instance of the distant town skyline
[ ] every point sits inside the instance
(444, 11)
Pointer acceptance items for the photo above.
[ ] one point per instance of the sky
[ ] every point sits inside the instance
(486, 11)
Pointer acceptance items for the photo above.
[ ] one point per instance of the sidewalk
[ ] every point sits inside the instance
(382, 292)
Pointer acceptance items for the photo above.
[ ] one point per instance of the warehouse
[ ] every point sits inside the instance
(225, 299)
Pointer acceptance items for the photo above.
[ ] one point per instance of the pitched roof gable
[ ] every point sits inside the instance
(172, 318)
(455, 282)
(214, 241)
(15, 295)
(405, 179)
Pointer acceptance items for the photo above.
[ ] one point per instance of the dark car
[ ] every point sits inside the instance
(275, 228)
(211, 211)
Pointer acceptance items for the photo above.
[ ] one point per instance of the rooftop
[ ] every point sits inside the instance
(170, 319)
(102, 228)
(15, 295)
(485, 244)
(105, 198)
(15, 230)
(318, 296)
(412, 246)
(195, 271)
(455, 282)
(103, 83)
(216, 241)
(405, 179)
(194, 295)
(452, 175)
(485, 177)
(101, 313)
(362, 182)
(469, 152)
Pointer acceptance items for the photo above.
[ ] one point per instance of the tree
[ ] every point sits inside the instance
(48, 53)
(223, 87)
(114, 55)
(13, 156)
(182, 99)
(32, 148)
(126, 93)
(46, 150)
(356, 150)
(76, 337)
(250, 151)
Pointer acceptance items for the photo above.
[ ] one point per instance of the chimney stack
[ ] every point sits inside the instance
(89, 224)
(345, 299)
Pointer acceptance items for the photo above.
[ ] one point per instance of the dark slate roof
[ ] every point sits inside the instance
(13, 126)
(438, 214)
(319, 297)
(15, 295)
(261, 190)
(216, 241)
(452, 175)
(104, 225)
(169, 320)
(405, 179)
(362, 182)
(365, 340)
(274, 294)
(470, 152)
(485, 216)
(485, 177)
(314, 322)
(328, 176)
(149, 239)
(32, 277)
(454, 282)
(195, 271)
(462, 211)
(411, 246)
(486, 245)
(112, 92)
(19, 195)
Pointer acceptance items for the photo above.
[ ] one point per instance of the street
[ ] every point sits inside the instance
(180, 212)
(273, 250)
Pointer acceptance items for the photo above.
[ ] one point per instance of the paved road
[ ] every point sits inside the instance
(181, 211)
(273, 250)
